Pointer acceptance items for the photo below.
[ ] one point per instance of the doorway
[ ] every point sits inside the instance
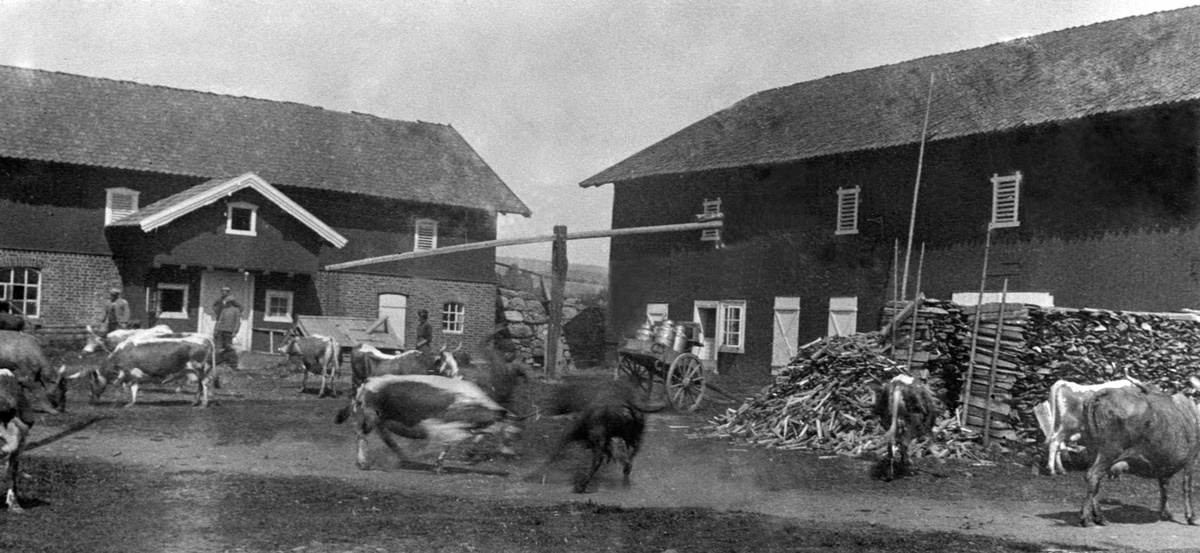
(706, 314)
(787, 330)
(241, 288)
(395, 308)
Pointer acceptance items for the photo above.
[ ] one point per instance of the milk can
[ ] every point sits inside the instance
(665, 335)
(644, 333)
(681, 338)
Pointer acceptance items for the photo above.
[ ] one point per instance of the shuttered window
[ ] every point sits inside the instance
(426, 235)
(119, 202)
(1006, 199)
(847, 210)
(843, 316)
(711, 212)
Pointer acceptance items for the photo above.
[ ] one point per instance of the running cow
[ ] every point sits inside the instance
(366, 361)
(318, 355)
(1144, 432)
(908, 409)
(445, 411)
(158, 359)
(110, 341)
(14, 429)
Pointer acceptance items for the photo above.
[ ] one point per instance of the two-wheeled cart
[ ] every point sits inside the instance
(686, 379)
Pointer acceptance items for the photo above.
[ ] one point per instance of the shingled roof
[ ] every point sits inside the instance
(59, 117)
(1106, 67)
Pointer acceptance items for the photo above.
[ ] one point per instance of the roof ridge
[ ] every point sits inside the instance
(210, 93)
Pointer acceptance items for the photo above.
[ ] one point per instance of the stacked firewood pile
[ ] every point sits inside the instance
(822, 401)
(999, 342)
(1089, 346)
(938, 351)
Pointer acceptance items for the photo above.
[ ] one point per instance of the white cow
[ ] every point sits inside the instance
(1061, 416)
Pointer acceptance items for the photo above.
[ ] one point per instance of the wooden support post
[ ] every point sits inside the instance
(912, 336)
(558, 283)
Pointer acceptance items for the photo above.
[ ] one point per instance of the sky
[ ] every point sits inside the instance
(548, 93)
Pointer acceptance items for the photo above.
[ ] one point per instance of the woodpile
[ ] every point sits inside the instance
(822, 401)
(997, 343)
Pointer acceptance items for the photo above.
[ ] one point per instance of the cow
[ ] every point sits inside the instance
(1064, 416)
(110, 341)
(908, 409)
(608, 422)
(14, 429)
(318, 355)
(9, 321)
(1146, 433)
(45, 385)
(366, 361)
(160, 359)
(444, 410)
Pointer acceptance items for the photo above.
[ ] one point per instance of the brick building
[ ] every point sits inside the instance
(171, 194)
(1077, 151)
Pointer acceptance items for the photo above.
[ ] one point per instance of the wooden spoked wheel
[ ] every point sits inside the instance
(685, 382)
(637, 374)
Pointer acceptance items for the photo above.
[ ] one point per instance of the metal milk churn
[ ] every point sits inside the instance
(665, 335)
(681, 338)
(644, 333)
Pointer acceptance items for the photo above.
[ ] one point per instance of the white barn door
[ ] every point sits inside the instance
(395, 308)
(843, 316)
(787, 330)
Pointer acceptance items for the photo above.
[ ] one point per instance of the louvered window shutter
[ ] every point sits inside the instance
(426, 238)
(847, 215)
(120, 202)
(1006, 196)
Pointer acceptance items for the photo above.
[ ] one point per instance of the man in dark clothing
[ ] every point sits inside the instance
(116, 313)
(424, 333)
(227, 313)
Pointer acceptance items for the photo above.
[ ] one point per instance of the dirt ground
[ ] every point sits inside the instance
(266, 469)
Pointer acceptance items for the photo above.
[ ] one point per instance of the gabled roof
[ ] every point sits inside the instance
(67, 118)
(173, 207)
(1106, 67)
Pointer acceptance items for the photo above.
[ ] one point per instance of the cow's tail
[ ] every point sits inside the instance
(212, 359)
(894, 406)
(351, 407)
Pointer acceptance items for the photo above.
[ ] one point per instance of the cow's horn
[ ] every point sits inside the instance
(459, 346)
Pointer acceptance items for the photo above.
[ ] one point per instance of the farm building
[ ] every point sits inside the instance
(171, 194)
(1075, 151)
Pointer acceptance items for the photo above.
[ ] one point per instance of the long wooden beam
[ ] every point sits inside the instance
(527, 240)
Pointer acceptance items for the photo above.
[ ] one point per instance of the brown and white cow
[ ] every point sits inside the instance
(14, 429)
(367, 361)
(1063, 422)
(1146, 433)
(110, 341)
(158, 359)
(45, 385)
(445, 411)
(317, 354)
(908, 409)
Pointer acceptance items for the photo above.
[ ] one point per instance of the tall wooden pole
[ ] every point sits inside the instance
(912, 219)
(912, 336)
(895, 291)
(558, 283)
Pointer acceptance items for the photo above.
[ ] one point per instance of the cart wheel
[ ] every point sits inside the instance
(637, 374)
(685, 382)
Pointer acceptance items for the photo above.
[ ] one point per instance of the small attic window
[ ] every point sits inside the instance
(1006, 199)
(241, 218)
(426, 235)
(118, 203)
(847, 210)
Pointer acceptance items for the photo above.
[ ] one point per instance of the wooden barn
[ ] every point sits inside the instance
(1076, 151)
(171, 194)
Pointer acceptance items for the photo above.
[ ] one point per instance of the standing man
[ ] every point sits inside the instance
(116, 313)
(228, 315)
(424, 333)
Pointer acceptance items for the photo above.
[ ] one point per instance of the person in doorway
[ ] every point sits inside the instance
(227, 313)
(424, 333)
(116, 313)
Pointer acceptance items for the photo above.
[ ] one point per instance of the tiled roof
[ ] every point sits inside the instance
(1106, 67)
(67, 118)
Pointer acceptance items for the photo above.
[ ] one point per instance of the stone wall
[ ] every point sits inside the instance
(522, 325)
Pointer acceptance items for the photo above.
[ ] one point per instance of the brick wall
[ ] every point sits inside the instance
(357, 295)
(74, 287)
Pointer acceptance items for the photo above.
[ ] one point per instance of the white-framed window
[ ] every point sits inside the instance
(21, 287)
(731, 326)
(1006, 199)
(241, 218)
(843, 316)
(847, 210)
(279, 307)
(711, 212)
(656, 312)
(453, 317)
(119, 202)
(425, 235)
(168, 300)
